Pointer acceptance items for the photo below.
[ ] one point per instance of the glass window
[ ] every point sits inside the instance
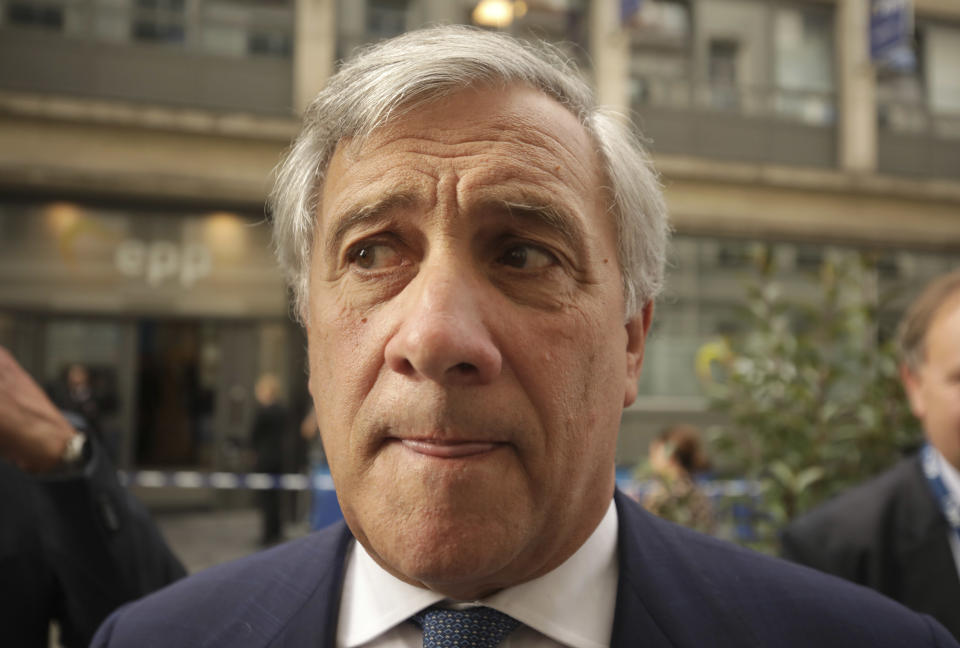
(724, 61)
(803, 41)
(237, 28)
(562, 22)
(707, 290)
(386, 18)
(740, 56)
(44, 16)
(158, 21)
(943, 82)
(924, 99)
(264, 43)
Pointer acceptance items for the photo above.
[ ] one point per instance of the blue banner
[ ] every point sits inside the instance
(628, 9)
(891, 32)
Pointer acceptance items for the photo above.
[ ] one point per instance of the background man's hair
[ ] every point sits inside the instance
(391, 78)
(912, 332)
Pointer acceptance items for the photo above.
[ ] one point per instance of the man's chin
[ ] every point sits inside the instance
(461, 561)
(462, 575)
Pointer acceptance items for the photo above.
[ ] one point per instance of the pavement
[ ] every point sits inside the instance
(202, 539)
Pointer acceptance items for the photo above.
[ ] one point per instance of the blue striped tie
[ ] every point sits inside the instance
(477, 627)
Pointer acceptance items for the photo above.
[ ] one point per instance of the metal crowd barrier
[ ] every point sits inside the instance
(226, 480)
(321, 481)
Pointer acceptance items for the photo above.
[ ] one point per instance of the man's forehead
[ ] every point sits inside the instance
(941, 331)
(946, 315)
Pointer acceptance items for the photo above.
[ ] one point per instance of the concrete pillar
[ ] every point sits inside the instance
(610, 49)
(856, 88)
(314, 48)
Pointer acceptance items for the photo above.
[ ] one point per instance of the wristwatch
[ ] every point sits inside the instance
(72, 456)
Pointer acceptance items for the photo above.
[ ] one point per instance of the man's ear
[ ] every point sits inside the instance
(912, 385)
(638, 326)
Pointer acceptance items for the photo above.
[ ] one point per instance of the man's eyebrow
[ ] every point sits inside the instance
(366, 213)
(555, 218)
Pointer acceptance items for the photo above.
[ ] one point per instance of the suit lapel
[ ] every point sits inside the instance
(314, 623)
(929, 574)
(632, 621)
(664, 598)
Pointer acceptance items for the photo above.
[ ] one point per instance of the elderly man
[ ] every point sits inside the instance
(474, 248)
(898, 533)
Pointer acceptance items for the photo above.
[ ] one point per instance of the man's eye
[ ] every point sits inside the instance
(527, 257)
(374, 256)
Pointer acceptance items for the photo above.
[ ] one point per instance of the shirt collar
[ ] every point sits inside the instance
(951, 477)
(373, 600)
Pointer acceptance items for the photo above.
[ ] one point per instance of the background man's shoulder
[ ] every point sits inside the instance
(868, 519)
(703, 591)
(868, 503)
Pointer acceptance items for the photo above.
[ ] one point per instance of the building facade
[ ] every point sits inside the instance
(137, 139)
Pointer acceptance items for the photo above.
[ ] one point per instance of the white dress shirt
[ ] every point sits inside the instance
(573, 605)
(951, 479)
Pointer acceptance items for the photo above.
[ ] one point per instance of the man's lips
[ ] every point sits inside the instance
(449, 449)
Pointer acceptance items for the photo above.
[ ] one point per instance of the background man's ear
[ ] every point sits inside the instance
(637, 327)
(912, 385)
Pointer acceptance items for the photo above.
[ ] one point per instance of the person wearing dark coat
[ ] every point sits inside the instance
(74, 543)
(900, 532)
(889, 535)
(268, 436)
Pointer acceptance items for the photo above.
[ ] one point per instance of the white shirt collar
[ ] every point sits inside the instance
(373, 601)
(951, 477)
(951, 480)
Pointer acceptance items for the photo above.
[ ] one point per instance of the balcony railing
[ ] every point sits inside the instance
(221, 27)
(737, 122)
(915, 138)
(231, 55)
(805, 106)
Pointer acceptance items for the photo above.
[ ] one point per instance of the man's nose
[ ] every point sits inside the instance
(443, 336)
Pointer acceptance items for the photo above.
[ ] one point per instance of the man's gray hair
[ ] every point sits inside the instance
(394, 77)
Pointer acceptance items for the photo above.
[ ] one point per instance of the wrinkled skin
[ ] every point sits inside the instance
(469, 351)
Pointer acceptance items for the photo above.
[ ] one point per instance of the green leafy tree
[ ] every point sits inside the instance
(811, 393)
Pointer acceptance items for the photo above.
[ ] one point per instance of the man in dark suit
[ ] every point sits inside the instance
(474, 248)
(74, 544)
(893, 533)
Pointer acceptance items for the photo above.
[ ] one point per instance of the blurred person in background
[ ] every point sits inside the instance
(675, 457)
(900, 532)
(74, 392)
(74, 544)
(269, 436)
(474, 247)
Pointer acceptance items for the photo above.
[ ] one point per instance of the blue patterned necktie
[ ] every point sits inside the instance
(477, 627)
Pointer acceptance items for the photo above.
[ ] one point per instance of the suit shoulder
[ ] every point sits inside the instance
(735, 596)
(245, 602)
(869, 502)
(861, 518)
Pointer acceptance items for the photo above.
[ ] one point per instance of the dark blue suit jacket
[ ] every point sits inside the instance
(677, 588)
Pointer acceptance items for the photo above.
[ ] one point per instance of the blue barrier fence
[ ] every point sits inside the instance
(736, 499)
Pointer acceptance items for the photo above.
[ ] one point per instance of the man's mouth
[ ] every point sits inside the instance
(449, 449)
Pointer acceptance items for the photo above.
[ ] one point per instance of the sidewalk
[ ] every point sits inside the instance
(202, 539)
